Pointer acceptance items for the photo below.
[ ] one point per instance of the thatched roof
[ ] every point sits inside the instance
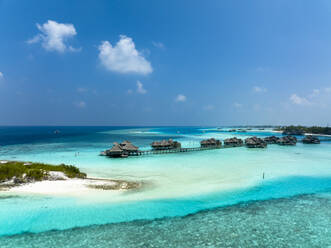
(122, 148)
(165, 144)
(115, 149)
(309, 139)
(255, 142)
(210, 142)
(125, 142)
(234, 140)
(271, 139)
(287, 140)
(126, 145)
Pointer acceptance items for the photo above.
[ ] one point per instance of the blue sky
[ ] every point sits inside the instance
(165, 62)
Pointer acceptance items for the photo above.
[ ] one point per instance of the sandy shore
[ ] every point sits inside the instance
(73, 187)
(322, 135)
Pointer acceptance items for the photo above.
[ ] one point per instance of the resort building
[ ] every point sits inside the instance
(166, 145)
(310, 139)
(210, 143)
(287, 141)
(255, 142)
(271, 139)
(233, 142)
(122, 150)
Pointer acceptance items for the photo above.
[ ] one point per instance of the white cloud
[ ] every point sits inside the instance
(1, 75)
(258, 89)
(54, 36)
(315, 93)
(158, 44)
(328, 90)
(237, 105)
(299, 100)
(140, 88)
(80, 104)
(123, 57)
(180, 98)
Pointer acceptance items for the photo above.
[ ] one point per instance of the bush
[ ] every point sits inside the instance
(36, 174)
(36, 171)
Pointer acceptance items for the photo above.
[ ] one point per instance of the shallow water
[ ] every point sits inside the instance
(301, 221)
(176, 184)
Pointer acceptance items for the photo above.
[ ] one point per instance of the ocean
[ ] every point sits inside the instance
(236, 197)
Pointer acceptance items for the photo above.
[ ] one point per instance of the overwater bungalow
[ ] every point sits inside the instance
(310, 139)
(127, 146)
(271, 139)
(233, 142)
(208, 143)
(166, 145)
(255, 142)
(121, 150)
(287, 141)
(115, 151)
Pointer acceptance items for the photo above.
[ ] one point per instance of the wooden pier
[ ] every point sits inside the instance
(167, 151)
(149, 152)
(126, 149)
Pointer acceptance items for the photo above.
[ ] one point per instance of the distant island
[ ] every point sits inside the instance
(301, 130)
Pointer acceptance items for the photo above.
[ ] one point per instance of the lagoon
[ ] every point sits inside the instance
(175, 184)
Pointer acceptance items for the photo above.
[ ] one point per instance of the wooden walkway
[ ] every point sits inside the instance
(191, 149)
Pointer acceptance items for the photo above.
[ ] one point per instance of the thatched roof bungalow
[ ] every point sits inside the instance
(271, 139)
(255, 142)
(210, 143)
(287, 141)
(128, 146)
(310, 139)
(165, 145)
(115, 151)
(233, 142)
(121, 150)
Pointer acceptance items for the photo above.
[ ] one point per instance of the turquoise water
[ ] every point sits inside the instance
(300, 221)
(176, 184)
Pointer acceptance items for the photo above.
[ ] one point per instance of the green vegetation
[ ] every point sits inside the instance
(303, 129)
(35, 171)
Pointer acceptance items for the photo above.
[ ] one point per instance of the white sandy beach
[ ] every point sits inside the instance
(70, 187)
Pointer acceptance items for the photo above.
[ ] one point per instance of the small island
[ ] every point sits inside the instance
(26, 172)
(301, 130)
(18, 176)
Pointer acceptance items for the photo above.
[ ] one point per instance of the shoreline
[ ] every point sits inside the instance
(305, 134)
(39, 178)
(71, 187)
